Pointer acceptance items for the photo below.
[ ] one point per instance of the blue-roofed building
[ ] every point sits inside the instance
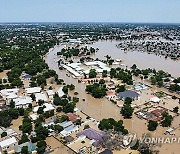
(67, 131)
(26, 77)
(128, 93)
(66, 124)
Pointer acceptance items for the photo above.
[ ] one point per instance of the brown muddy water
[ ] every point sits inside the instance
(102, 108)
(141, 59)
(96, 108)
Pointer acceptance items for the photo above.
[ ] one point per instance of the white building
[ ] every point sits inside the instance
(50, 93)
(48, 107)
(11, 96)
(69, 130)
(22, 101)
(41, 96)
(11, 132)
(33, 90)
(154, 99)
(33, 116)
(7, 92)
(72, 71)
(7, 142)
(60, 92)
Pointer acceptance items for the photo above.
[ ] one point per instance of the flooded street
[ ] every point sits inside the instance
(103, 108)
(96, 108)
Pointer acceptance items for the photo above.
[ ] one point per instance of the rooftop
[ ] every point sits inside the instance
(33, 90)
(31, 147)
(92, 134)
(72, 117)
(48, 107)
(22, 100)
(128, 93)
(7, 141)
(41, 96)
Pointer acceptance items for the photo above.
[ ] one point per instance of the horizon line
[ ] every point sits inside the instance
(106, 22)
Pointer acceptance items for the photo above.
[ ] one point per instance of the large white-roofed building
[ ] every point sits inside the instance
(72, 71)
(33, 90)
(22, 101)
(41, 96)
(69, 130)
(7, 92)
(7, 142)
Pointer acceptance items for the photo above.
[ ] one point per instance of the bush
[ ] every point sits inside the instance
(3, 134)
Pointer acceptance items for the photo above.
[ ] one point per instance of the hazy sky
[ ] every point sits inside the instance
(161, 11)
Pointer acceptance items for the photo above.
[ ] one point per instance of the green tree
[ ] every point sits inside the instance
(65, 89)
(58, 128)
(127, 111)
(24, 150)
(92, 73)
(86, 126)
(40, 110)
(120, 88)
(104, 73)
(12, 104)
(59, 109)
(153, 80)
(33, 97)
(64, 118)
(152, 125)
(101, 81)
(26, 126)
(3, 134)
(24, 139)
(167, 120)
(176, 109)
(78, 122)
(128, 100)
(40, 102)
(71, 87)
(41, 147)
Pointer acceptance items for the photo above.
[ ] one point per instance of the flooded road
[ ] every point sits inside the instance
(141, 59)
(102, 108)
(96, 108)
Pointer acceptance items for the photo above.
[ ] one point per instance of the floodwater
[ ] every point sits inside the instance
(103, 108)
(96, 108)
(141, 59)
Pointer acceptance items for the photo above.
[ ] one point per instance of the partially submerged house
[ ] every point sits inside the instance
(72, 117)
(92, 134)
(154, 99)
(128, 93)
